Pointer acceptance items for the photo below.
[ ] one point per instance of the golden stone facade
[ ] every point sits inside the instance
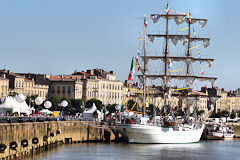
(22, 85)
(4, 87)
(108, 91)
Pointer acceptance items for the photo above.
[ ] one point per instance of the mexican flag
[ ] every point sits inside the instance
(145, 22)
(131, 70)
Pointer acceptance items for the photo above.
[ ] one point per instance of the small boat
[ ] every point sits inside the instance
(218, 132)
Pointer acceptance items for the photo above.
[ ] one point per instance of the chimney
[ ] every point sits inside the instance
(4, 75)
(111, 72)
(90, 72)
(125, 83)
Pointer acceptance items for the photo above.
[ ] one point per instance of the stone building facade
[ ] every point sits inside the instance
(67, 86)
(20, 84)
(4, 87)
(103, 86)
(95, 83)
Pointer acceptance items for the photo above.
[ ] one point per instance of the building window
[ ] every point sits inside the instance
(58, 89)
(63, 89)
(69, 89)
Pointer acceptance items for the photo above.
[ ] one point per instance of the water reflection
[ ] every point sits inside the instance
(101, 151)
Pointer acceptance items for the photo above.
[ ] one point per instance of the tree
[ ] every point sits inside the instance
(233, 114)
(111, 108)
(55, 101)
(32, 97)
(76, 104)
(68, 110)
(225, 113)
(201, 112)
(13, 94)
(178, 112)
(97, 102)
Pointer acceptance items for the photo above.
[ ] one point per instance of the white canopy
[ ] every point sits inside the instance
(46, 111)
(92, 109)
(10, 103)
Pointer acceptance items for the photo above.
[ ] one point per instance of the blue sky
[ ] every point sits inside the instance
(59, 36)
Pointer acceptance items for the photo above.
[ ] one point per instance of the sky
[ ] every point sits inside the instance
(60, 36)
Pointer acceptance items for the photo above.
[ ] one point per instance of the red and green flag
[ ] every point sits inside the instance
(145, 22)
(131, 70)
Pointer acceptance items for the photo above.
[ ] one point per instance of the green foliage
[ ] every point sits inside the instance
(111, 108)
(201, 112)
(97, 102)
(216, 115)
(150, 109)
(55, 101)
(13, 94)
(32, 97)
(76, 104)
(178, 112)
(233, 115)
(225, 113)
(9, 111)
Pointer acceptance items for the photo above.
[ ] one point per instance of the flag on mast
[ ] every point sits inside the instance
(195, 35)
(167, 8)
(131, 70)
(145, 22)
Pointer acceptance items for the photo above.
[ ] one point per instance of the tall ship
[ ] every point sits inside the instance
(172, 71)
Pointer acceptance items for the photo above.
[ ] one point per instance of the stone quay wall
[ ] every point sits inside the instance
(48, 135)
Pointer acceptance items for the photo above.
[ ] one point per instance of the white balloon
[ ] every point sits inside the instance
(38, 101)
(20, 98)
(48, 104)
(64, 103)
(117, 107)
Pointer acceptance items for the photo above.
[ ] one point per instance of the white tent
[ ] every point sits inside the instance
(46, 111)
(88, 115)
(92, 109)
(10, 103)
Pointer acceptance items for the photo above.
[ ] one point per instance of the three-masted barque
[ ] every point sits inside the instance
(166, 131)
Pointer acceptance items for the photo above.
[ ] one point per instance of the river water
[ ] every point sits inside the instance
(114, 151)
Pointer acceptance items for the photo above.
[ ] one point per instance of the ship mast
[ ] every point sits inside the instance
(188, 59)
(165, 70)
(189, 45)
(188, 56)
(145, 69)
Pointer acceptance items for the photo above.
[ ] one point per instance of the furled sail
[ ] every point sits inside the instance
(190, 79)
(183, 38)
(179, 19)
(202, 22)
(188, 60)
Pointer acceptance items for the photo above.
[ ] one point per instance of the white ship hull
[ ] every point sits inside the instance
(155, 134)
